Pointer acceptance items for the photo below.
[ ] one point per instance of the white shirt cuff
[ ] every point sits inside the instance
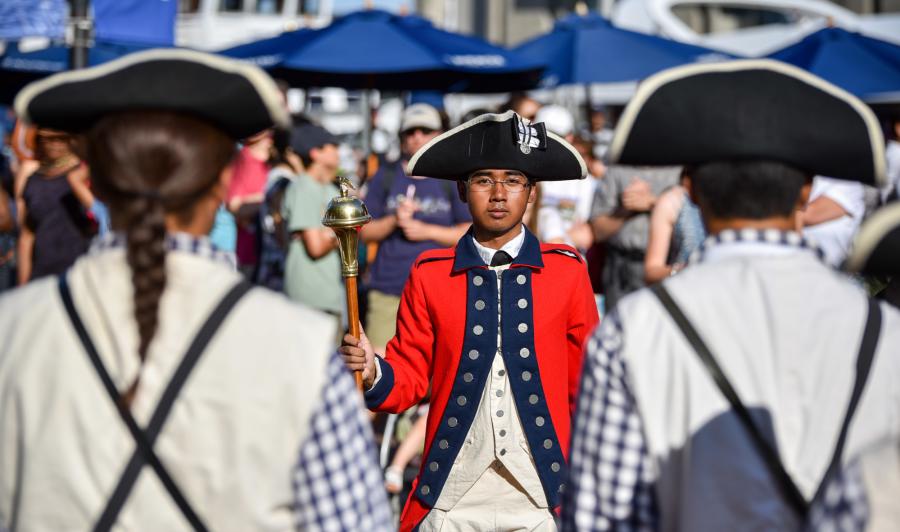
(377, 372)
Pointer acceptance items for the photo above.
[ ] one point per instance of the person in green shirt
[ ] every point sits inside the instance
(313, 269)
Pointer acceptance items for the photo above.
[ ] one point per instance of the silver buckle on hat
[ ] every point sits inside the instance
(527, 137)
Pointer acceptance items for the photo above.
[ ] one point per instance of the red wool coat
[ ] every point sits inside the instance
(447, 335)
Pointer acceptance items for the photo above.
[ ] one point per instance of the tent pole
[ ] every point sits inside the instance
(587, 105)
(81, 27)
(367, 122)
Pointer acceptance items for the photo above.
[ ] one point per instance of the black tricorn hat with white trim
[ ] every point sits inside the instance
(876, 248)
(238, 98)
(503, 141)
(750, 110)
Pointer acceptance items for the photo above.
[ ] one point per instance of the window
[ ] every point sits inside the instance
(188, 6)
(231, 5)
(711, 18)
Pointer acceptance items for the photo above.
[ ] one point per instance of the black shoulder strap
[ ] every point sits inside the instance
(864, 362)
(145, 439)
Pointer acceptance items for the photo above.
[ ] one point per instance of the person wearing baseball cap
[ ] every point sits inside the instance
(312, 273)
(725, 398)
(411, 215)
(149, 387)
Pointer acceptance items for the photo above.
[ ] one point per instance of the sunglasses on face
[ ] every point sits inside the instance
(422, 130)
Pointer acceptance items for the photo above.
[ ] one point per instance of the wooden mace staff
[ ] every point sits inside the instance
(345, 216)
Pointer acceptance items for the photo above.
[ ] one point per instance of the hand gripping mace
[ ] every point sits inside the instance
(345, 216)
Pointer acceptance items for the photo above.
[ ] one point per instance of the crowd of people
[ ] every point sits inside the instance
(727, 396)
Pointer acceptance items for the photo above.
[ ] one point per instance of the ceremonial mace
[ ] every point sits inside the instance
(345, 216)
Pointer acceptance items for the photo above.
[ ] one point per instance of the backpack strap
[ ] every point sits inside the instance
(145, 439)
(769, 454)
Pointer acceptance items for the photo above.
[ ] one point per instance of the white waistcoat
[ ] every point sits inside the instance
(496, 434)
(786, 330)
(233, 436)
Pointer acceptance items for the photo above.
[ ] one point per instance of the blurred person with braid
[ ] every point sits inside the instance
(149, 387)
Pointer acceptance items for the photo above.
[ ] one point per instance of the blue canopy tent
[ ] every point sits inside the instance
(374, 49)
(589, 49)
(866, 67)
(19, 68)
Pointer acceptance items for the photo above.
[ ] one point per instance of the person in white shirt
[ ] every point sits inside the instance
(832, 216)
(149, 387)
(565, 206)
(891, 190)
(722, 397)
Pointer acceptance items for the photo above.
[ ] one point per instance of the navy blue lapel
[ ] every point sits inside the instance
(530, 254)
(467, 256)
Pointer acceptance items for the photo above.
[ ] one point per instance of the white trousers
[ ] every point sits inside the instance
(495, 503)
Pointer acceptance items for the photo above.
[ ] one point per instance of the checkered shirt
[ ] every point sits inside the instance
(843, 506)
(611, 473)
(337, 481)
(200, 246)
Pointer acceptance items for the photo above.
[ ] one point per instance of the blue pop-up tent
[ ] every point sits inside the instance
(864, 66)
(589, 49)
(55, 58)
(17, 68)
(374, 49)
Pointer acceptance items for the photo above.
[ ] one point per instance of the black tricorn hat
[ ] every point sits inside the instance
(238, 98)
(503, 141)
(876, 248)
(750, 110)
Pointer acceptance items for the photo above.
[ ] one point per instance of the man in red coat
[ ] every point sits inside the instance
(496, 326)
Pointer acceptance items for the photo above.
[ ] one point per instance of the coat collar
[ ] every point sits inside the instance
(179, 242)
(754, 242)
(467, 255)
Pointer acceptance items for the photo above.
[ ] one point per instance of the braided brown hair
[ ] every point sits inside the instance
(146, 165)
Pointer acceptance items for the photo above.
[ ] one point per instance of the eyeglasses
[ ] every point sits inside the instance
(485, 184)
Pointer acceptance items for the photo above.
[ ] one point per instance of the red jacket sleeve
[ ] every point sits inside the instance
(406, 368)
(583, 318)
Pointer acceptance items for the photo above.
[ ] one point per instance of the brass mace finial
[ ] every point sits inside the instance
(345, 215)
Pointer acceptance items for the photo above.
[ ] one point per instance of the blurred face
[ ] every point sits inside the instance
(497, 199)
(413, 139)
(528, 108)
(326, 156)
(598, 120)
(54, 145)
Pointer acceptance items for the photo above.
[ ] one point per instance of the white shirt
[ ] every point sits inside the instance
(835, 236)
(563, 203)
(893, 169)
(63, 446)
(786, 331)
(496, 432)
